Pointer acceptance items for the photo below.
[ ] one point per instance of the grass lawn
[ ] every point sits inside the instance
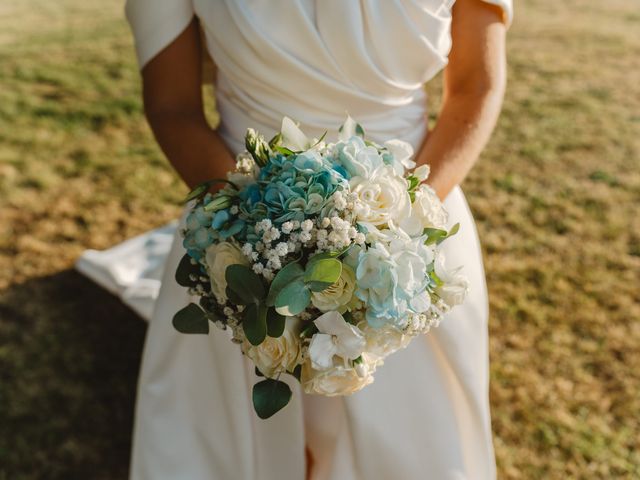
(556, 197)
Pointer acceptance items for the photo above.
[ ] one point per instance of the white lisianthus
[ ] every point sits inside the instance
(455, 285)
(292, 137)
(277, 355)
(340, 295)
(335, 337)
(426, 211)
(381, 198)
(218, 257)
(402, 154)
(339, 380)
(348, 129)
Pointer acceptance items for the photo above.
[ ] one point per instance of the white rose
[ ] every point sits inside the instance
(338, 380)
(426, 211)
(454, 286)
(381, 198)
(340, 295)
(383, 341)
(218, 257)
(276, 355)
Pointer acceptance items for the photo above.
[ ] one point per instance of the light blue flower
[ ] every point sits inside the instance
(391, 280)
(357, 158)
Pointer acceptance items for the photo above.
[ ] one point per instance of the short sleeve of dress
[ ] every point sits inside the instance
(507, 9)
(156, 23)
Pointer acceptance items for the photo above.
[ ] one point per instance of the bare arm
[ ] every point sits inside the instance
(172, 89)
(474, 83)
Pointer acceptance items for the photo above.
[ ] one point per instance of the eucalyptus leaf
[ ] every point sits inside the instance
(275, 323)
(293, 299)
(324, 255)
(270, 396)
(191, 319)
(234, 297)
(254, 323)
(289, 273)
(245, 283)
(184, 270)
(323, 273)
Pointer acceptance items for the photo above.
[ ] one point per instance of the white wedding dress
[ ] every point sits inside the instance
(426, 416)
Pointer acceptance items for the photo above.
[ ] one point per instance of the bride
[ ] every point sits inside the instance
(427, 414)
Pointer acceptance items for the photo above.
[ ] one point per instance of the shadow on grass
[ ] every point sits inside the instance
(69, 361)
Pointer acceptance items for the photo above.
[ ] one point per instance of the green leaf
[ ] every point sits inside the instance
(297, 372)
(434, 235)
(437, 235)
(293, 299)
(258, 372)
(324, 255)
(245, 283)
(218, 203)
(309, 331)
(284, 150)
(323, 273)
(359, 130)
(290, 273)
(234, 297)
(191, 319)
(254, 323)
(186, 268)
(275, 323)
(276, 140)
(270, 396)
(319, 140)
(201, 189)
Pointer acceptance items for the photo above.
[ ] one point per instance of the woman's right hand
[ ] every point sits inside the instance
(172, 89)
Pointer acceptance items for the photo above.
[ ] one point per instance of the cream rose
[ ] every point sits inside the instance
(337, 380)
(218, 257)
(340, 295)
(383, 341)
(382, 197)
(275, 355)
(426, 211)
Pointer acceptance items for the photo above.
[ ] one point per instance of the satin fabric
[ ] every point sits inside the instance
(427, 413)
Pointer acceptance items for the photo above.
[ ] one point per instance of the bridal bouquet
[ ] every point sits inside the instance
(321, 259)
